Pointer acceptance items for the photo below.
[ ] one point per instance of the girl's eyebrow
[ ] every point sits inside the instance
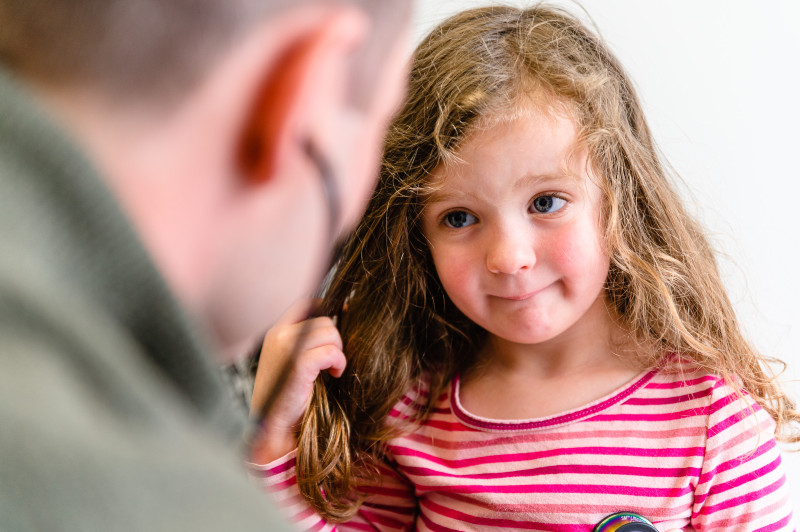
(441, 195)
(538, 179)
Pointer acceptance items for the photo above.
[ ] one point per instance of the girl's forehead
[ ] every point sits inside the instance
(533, 140)
(528, 104)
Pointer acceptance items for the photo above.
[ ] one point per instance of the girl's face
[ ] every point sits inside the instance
(515, 231)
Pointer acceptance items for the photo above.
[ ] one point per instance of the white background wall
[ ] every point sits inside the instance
(719, 81)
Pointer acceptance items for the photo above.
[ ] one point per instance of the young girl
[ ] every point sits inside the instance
(535, 331)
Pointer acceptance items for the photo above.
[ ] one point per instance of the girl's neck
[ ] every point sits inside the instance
(524, 381)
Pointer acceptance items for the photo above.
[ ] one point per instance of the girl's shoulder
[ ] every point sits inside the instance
(686, 375)
(414, 402)
(715, 396)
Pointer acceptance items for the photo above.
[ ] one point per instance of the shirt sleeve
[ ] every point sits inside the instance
(390, 503)
(742, 486)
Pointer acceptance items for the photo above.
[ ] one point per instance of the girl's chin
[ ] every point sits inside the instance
(524, 337)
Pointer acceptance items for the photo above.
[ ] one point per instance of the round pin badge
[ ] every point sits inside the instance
(624, 522)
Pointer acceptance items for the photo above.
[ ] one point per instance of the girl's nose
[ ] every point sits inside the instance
(509, 252)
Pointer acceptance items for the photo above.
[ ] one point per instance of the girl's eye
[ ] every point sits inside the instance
(548, 204)
(458, 219)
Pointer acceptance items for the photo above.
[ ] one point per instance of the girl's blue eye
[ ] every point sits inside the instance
(548, 204)
(459, 219)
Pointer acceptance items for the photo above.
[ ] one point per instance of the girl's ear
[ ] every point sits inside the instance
(298, 90)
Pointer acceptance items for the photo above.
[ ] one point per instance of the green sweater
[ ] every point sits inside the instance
(112, 414)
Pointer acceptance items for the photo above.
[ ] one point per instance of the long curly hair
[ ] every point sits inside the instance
(396, 320)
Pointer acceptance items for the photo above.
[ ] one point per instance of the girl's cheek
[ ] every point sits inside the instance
(580, 249)
(454, 270)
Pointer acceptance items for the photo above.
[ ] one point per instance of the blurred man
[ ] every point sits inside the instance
(170, 171)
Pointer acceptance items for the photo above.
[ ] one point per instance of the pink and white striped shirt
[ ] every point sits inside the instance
(681, 450)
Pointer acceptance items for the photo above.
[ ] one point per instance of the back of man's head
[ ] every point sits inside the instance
(144, 49)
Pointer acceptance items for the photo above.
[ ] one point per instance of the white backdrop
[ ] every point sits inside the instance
(719, 81)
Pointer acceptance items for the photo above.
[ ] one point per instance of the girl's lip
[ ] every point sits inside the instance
(520, 297)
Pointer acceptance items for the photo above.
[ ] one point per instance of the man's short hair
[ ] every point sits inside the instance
(147, 49)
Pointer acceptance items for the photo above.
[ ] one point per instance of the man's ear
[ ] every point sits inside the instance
(308, 78)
